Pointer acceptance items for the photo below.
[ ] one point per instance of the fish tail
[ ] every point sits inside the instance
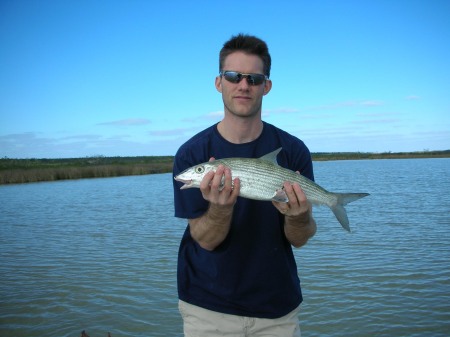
(339, 210)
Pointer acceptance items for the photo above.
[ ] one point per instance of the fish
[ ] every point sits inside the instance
(262, 179)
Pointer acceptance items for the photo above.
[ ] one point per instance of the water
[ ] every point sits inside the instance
(100, 255)
(391, 276)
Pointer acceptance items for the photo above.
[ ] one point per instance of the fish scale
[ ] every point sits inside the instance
(263, 179)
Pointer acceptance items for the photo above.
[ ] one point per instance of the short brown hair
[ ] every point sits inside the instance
(248, 44)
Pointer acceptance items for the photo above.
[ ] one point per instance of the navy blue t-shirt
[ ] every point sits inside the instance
(253, 272)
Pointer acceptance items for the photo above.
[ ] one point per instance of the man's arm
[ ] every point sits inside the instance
(210, 229)
(299, 225)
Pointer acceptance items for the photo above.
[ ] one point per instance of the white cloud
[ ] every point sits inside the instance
(174, 132)
(209, 117)
(127, 122)
(371, 103)
(215, 114)
(412, 97)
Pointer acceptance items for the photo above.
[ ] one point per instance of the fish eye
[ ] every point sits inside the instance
(199, 169)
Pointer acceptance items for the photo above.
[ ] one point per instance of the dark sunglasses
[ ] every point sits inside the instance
(235, 77)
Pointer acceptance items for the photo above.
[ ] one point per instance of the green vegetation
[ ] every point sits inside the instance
(322, 156)
(14, 171)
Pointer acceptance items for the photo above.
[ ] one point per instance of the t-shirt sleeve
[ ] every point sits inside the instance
(305, 165)
(299, 158)
(188, 203)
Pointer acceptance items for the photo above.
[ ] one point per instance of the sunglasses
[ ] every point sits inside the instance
(235, 77)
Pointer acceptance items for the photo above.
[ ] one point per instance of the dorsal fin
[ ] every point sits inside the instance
(272, 156)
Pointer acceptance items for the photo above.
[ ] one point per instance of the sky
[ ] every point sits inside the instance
(83, 78)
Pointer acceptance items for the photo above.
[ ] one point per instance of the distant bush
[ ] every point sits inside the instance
(14, 171)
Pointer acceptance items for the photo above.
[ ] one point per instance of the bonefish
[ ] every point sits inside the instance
(262, 179)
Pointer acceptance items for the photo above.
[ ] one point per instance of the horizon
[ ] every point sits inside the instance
(131, 79)
(172, 155)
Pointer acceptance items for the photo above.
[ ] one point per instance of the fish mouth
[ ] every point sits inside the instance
(187, 183)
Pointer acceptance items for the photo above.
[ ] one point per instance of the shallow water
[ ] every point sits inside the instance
(100, 255)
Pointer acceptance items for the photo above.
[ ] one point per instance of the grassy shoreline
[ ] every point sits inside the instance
(16, 171)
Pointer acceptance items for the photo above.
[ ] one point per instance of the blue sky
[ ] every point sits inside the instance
(135, 78)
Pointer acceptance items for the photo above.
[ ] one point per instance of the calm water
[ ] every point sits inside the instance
(100, 255)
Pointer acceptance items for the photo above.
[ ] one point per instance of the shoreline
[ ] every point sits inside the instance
(18, 171)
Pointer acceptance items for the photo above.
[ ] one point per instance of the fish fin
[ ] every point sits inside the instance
(272, 156)
(280, 196)
(339, 210)
(341, 214)
(346, 198)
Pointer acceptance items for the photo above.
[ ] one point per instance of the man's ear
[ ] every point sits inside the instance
(267, 86)
(218, 83)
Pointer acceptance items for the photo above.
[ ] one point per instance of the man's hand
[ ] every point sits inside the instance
(298, 205)
(299, 225)
(220, 193)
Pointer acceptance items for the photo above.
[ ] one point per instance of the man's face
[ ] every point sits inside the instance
(243, 99)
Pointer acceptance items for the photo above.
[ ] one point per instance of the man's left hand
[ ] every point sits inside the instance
(298, 205)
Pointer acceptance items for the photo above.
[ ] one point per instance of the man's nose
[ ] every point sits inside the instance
(243, 84)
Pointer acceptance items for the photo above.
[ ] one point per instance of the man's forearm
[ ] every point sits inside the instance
(211, 229)
(221, 191)
(300, 229)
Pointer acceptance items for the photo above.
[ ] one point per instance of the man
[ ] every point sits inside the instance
(237, 275)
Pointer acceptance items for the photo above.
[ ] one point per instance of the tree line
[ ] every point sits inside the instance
(15, 171)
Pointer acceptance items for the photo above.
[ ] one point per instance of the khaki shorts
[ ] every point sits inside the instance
(200, 322)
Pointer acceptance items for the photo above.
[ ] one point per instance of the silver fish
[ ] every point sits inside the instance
(262, 179)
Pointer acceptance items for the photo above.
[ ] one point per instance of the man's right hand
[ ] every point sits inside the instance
(219, 188)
